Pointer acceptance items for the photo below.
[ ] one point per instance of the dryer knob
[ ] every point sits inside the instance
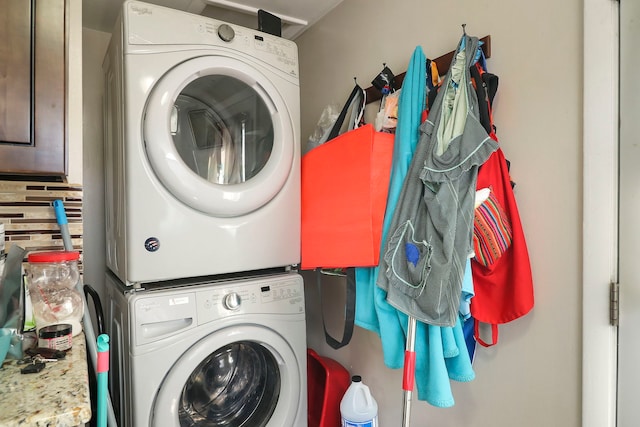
(226, 33)
(231, 301)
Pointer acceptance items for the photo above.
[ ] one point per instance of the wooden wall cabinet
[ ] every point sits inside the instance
(32, 88)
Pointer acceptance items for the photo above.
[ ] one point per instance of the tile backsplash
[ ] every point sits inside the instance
(26, 210)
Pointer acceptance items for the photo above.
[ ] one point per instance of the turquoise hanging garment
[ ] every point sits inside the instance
(372, 310)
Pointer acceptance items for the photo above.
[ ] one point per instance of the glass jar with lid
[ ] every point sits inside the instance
(52, 280)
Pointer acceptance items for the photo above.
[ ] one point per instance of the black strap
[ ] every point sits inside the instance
(491, 80)
(483, 99)
(335, 130)
(349, 313)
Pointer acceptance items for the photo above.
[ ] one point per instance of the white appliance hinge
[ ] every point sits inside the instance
(614, 304)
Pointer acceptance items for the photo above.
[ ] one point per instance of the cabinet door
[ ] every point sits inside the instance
(32, 87)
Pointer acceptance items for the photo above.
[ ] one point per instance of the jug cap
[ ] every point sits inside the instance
(53, 256)
(356, 378)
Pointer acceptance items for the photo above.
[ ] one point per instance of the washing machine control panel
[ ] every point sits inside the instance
(283, 296)
(232, 301)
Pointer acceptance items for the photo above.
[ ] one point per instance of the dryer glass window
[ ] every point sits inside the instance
(238, 385)
(222, 129)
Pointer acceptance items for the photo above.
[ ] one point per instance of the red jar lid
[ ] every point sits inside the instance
(54, 256)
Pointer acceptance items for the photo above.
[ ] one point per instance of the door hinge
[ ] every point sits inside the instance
(614, 304)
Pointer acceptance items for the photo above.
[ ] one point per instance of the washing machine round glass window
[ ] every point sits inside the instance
(222, 129)
(238, 385)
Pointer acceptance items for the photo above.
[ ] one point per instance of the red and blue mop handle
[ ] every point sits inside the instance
(102, 371)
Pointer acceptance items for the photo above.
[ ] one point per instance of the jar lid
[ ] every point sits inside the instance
(55, 331)
(54, 256)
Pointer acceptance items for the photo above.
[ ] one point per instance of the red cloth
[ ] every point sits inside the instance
(503, 290)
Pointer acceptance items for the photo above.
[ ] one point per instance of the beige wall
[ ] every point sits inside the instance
(533, 376)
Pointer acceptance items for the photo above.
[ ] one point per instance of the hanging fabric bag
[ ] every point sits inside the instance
(345, 182)
(502, 278)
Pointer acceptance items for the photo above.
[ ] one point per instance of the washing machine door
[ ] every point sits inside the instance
(219, 136)
(245, 376)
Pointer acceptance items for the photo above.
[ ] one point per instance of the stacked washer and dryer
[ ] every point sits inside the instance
(202, 185)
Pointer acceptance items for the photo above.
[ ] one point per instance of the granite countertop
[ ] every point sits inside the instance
(56, 396)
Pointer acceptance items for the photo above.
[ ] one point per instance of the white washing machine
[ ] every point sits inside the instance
(228, 353)
(202, 150)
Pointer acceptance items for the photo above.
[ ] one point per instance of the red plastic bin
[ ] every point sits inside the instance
(327, 381)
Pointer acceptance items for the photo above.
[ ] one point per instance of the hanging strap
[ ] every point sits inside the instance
(494, 334)
(356, 100)
(350, 309)
(484, 111)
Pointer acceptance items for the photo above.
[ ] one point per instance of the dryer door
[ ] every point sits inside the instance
(245, 376)
(219, 136)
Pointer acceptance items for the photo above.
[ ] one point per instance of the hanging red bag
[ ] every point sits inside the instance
(504, 289)
(502, 277)
(345, 182)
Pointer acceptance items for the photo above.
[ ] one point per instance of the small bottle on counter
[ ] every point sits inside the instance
(57, 337)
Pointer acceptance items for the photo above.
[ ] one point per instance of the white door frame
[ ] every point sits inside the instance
(600, 192)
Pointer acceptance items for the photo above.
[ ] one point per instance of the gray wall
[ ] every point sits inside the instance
(94, 47)
(533, 376)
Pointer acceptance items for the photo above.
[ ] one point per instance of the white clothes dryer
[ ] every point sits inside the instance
(202, 150)
(227, 353)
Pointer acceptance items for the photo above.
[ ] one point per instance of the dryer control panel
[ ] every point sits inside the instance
(146, 25)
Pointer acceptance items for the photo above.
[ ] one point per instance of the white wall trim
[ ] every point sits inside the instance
(600, 181)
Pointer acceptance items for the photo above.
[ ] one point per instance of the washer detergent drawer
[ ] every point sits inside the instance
(158, 317)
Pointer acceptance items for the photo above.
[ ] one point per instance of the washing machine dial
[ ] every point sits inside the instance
(226, 33)
(232, 301)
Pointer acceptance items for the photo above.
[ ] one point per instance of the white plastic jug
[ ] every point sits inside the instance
(358, 408)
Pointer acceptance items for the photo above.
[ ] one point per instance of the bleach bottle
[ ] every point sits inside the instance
(358, 407)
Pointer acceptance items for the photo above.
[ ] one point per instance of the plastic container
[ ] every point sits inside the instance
(327, 381)
(53, 277)
(57, 337)
(358, 408)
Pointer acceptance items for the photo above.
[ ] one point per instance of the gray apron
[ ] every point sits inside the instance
(430, 236)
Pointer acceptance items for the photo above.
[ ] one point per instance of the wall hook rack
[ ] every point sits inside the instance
(443, 62)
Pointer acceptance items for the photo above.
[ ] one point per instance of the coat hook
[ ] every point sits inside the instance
(464, 29)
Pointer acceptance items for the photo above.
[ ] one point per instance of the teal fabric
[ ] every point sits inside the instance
(467, 292)
(371, 302)
(441, 357)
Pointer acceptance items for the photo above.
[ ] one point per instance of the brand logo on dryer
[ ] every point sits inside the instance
(152, 244)
(141, 10)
